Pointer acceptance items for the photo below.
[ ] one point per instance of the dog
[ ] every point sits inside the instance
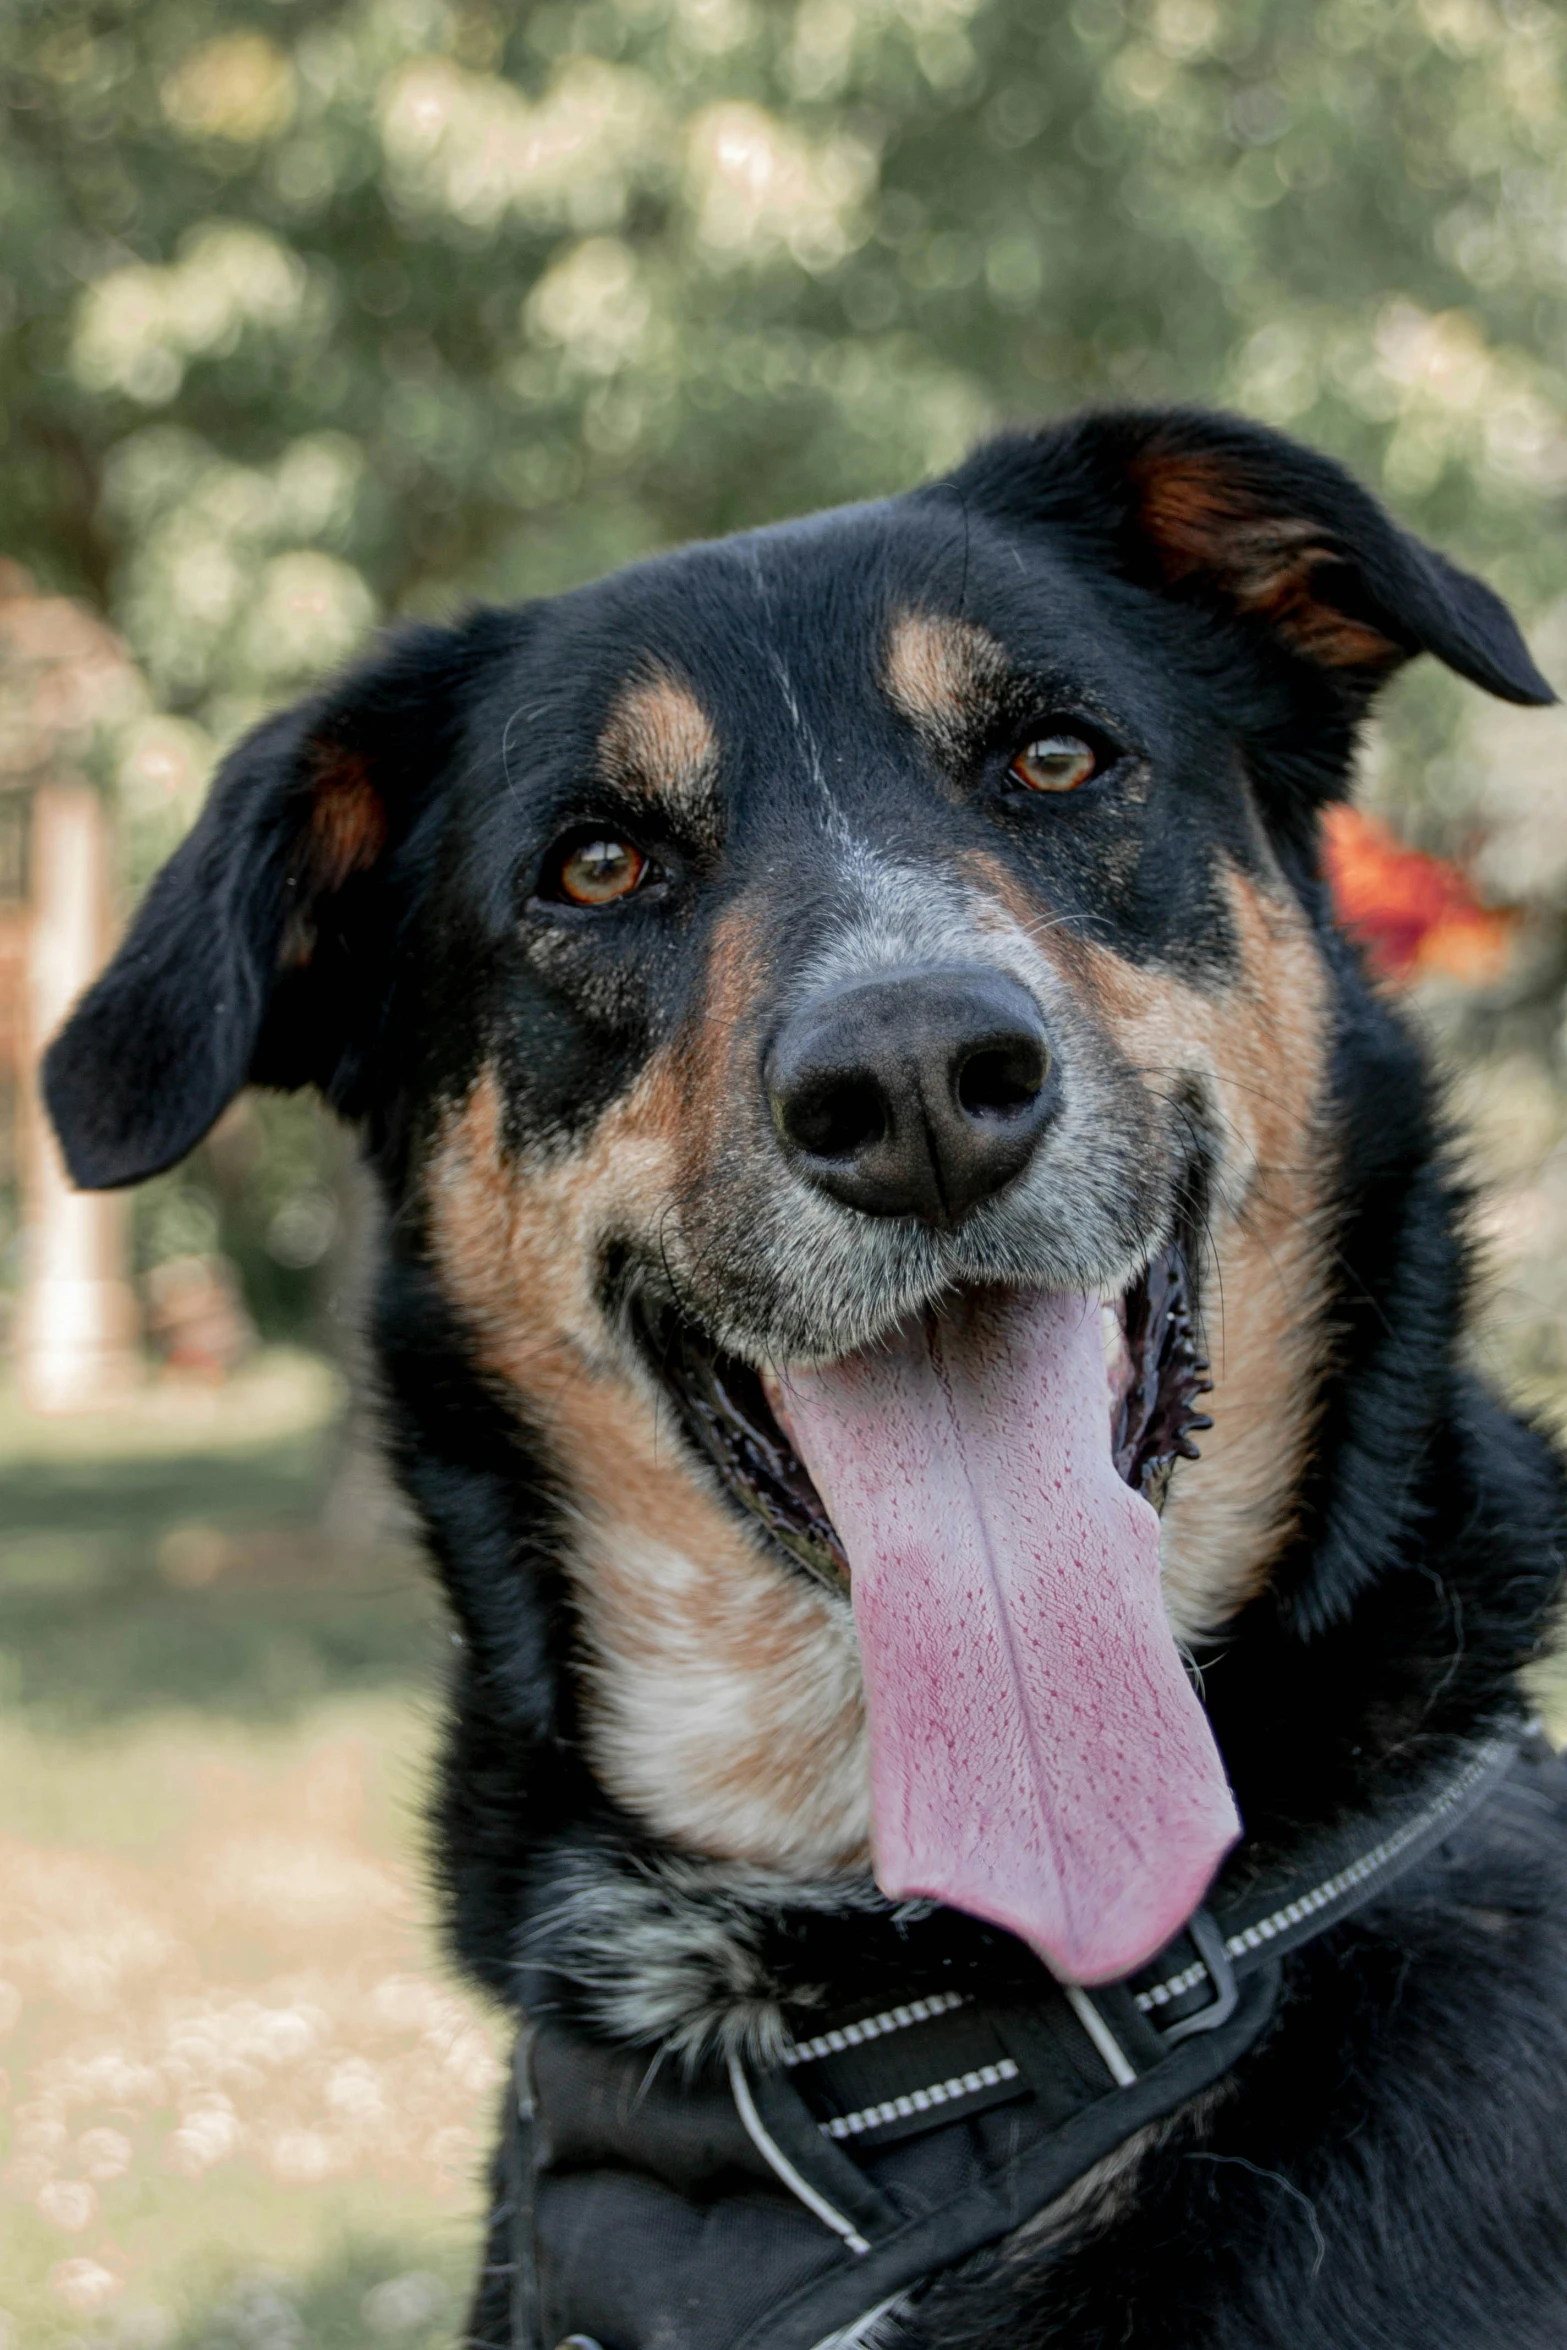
(921, 1313)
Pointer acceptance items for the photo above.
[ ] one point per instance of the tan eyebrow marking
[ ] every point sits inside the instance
(946, 676)
(660, 741)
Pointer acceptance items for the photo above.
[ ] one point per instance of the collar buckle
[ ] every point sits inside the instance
(1206, 1938)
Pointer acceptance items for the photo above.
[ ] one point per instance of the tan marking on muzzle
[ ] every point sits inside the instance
(721, 1690)
(1258, 1046)
(714, 1084)
(944, 675)
(659, 740)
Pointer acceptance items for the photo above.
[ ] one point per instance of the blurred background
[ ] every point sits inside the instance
(315, 314)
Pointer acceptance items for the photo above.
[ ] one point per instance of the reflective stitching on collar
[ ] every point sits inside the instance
(1187, 1980)
(897, 2109)
(871, 2027)
(1344, 1880)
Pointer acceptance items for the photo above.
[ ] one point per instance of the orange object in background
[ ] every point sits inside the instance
(1414, 914)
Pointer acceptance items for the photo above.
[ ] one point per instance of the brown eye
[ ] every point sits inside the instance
(596, 872)
(1057, 762)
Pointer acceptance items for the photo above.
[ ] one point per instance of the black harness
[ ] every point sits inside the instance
(786, 2208)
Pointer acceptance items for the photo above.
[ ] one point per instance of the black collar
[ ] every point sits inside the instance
(784, 2208)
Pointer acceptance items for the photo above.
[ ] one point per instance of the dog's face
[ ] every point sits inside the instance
(853, 870)
(843, 931)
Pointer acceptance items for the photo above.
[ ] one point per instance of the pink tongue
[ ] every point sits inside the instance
(1038, 1754)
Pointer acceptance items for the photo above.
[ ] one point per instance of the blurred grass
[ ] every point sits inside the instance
(241, 2106)
(172, 1553)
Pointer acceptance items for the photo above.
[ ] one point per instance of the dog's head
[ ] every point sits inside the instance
(838, 1010)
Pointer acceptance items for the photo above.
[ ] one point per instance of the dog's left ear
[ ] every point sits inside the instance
(1214, 510)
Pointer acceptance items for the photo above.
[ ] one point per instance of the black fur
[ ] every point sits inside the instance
(1386, 2172)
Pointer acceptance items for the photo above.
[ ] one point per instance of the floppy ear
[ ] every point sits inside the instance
(260, 951)
(1214, 510)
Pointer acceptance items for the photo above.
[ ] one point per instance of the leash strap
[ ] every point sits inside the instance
(783, 2209)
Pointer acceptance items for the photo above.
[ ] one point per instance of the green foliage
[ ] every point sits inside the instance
(363, 2294)
(271, 1191)
(322, 312)
(227, 1558)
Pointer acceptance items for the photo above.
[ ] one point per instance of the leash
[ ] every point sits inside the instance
(789, 2208)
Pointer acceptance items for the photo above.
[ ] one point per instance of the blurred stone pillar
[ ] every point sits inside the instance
(77, 1329)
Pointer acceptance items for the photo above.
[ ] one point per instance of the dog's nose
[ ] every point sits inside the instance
(917, 1094)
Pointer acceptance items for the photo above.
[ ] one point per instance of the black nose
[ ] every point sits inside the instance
(919, 1094)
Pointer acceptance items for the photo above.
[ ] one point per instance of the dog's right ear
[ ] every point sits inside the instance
(258, 952)
(1214, 510)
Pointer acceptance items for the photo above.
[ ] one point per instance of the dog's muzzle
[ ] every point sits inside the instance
(919, 1093)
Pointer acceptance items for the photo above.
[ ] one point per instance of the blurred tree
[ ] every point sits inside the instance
(319, 312)
(316, 313)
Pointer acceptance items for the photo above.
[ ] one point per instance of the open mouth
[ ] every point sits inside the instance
(983, 1483)
(732, 1413)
